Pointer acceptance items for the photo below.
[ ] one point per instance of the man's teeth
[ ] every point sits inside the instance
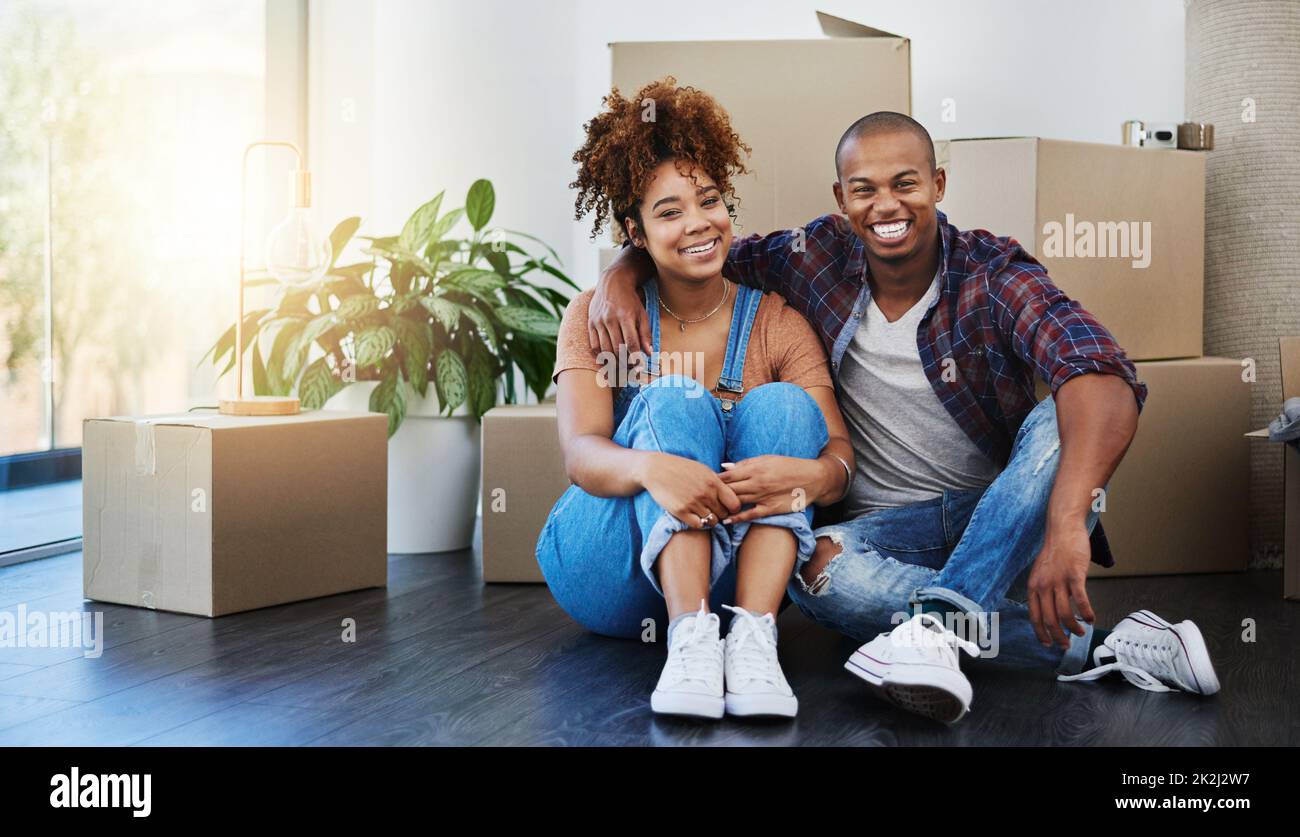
(895, 229)
(702, 248)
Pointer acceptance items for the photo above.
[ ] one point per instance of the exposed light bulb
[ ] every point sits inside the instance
(295, 253)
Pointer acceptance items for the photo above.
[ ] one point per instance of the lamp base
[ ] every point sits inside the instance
(260, 405)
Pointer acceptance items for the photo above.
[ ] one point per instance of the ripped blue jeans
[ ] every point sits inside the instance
(598, 553)
(970, 550)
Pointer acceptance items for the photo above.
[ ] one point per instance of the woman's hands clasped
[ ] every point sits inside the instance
(689, 491)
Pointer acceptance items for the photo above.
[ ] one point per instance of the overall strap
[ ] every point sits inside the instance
(652, 308)
(742, 322)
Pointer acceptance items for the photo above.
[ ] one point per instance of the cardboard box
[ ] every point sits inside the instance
(789, 100)
(1178, 501)
(523, 476)
(1139, 212)
(1289, 348)
(209, 514)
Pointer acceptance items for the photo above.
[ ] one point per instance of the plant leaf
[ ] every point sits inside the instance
(389, 398)
(554, 271)
(415, 233)
(373, 345)
(528, 321)
(482, 385)
(279, 350)
(479, 203)
(445, 224)
(296, 355)
(481, 322)
(476, 282)
(453, 386)
(318, 385)
(446, 311)
(251, 329)
(548, 247)
(357, 306)
(416, 341)
(341, 235)
(260, 385)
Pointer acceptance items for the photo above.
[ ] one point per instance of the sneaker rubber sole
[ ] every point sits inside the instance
(688, 704)
(932, 693)
(760, 705)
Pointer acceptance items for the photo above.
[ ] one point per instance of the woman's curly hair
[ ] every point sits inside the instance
(631, 137)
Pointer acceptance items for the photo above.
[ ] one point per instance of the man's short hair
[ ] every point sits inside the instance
(884, 122)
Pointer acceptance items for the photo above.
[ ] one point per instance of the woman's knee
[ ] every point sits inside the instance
(782, 419)
(677, 415)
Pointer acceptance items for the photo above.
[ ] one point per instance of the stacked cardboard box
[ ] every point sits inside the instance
(1122, 230)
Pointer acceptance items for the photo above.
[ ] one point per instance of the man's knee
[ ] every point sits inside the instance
(827, 548)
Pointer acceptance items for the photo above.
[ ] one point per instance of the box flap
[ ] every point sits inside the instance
(838, 27)
(505, 411)
(986, 139)
(1289, 348)
(211, 419)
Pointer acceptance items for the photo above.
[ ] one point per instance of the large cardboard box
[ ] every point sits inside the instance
(210, 514)
(790, 100)
(1120, 229)
(1289, 348)
(1178, 501)
(523, 476)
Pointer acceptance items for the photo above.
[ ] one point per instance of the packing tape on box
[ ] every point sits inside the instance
(146, 459)
(146, 465)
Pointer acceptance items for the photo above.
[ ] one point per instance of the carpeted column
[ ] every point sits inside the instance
(1243, 75)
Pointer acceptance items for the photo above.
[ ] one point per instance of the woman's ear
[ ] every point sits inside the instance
(629, 228)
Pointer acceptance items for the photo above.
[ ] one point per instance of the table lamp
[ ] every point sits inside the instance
(295, 255)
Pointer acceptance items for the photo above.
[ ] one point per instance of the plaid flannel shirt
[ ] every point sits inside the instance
(997, 322)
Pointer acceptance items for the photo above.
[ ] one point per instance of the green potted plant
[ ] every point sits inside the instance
(430, 330)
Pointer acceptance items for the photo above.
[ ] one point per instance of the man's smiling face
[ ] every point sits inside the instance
(888, 189)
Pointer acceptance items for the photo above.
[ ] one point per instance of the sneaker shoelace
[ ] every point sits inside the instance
(1142, 662)
(693, 655)
(918, 634)
(753, 652)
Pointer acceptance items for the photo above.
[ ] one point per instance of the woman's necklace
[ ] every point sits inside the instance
(726, 290)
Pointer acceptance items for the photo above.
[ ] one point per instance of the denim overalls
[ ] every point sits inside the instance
(598, 553)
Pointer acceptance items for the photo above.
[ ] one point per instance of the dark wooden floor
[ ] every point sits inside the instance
(441, 658)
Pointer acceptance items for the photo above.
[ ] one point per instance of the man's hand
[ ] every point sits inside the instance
(1059, 575)
(616, 316)
(775, 484)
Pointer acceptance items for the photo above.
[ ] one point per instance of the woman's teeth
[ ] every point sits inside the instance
(891, 230)
(700, 248)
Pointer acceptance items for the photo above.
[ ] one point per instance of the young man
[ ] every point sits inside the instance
(970, 504)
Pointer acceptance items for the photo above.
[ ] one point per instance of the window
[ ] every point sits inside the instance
(121, 134)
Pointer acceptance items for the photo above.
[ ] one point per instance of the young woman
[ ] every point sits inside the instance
(693, 470)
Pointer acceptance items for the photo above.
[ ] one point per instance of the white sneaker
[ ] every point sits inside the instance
(691, 682)
(1155, 655)
(915, 667)
(755, 683)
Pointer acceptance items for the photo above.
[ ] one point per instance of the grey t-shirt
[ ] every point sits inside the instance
(908, 447)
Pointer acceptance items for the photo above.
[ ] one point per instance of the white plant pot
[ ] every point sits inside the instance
(433, 471)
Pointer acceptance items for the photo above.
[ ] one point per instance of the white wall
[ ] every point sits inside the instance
(451, 90)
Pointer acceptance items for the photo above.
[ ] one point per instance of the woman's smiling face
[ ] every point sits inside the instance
(685, 224)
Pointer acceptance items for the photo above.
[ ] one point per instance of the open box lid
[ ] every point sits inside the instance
(833, 26)
(838, 27)
(1289, 350)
